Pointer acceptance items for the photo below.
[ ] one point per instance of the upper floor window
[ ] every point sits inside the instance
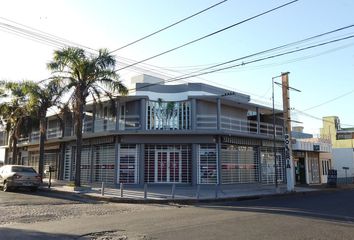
(168, 115)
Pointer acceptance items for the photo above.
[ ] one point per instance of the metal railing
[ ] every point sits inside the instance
(238, 125)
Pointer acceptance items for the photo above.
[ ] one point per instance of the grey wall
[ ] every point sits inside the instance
(204, 107)
(234, 112)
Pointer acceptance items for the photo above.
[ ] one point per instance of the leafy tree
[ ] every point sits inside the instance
(15, 114)
(85, 75)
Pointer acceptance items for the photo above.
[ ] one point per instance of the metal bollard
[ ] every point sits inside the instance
(216, 190)
(145, 191)
(121, 189)
(173, 191)
(198, 191)
(102, 189)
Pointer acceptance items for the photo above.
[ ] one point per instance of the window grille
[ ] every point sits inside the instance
(207, 164)
(239, 164)
(168, 163)
(128, 163)
(267, 165)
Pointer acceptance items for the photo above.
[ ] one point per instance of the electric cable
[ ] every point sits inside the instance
(167, 27)
(209, 35)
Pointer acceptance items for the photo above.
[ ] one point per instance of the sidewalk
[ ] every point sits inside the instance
(178, 193)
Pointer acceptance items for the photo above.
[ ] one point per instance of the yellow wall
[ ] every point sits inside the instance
(329, 130)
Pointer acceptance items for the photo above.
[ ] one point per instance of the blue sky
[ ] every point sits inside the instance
(321, 74)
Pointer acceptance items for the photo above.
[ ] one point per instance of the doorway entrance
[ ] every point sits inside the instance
(168, 166)
(301, 173)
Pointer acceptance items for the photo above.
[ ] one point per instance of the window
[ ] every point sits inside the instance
(23, 169)
(168, 115)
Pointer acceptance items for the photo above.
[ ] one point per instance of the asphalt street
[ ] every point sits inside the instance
(324, 215)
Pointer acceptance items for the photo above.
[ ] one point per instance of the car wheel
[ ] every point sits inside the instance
(33, 189)
(5, 188)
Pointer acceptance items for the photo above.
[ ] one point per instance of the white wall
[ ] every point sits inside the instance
(343, 157)
(2, 155)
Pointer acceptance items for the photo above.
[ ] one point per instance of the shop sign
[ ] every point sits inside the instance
(287, 150)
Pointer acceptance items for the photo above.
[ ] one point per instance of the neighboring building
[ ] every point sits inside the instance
(312, 157)
(343, 145)
(188, 134)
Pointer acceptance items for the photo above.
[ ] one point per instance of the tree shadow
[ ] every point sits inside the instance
(18, 234)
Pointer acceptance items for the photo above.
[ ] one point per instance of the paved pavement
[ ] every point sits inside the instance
(167, 193)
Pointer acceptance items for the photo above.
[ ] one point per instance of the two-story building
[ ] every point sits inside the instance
(190, 133)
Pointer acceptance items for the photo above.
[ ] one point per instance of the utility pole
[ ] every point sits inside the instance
(287, 123)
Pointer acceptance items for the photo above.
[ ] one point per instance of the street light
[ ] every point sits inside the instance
(274, 146)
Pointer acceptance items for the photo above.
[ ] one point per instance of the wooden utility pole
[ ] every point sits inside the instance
(287, 131)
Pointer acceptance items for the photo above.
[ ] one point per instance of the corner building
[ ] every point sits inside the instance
(163, 134)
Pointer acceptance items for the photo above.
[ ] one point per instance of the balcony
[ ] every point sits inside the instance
(209, 122)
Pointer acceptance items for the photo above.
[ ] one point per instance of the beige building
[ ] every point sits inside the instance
(343, 145)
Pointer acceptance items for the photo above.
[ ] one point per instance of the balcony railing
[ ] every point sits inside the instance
(237, 125)
(54, 132)
(102, 125)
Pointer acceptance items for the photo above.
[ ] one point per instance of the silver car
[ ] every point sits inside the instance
(18, 176)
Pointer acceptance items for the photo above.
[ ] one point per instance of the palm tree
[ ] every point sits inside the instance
(15, 114)
(43, 96)
(85, 75)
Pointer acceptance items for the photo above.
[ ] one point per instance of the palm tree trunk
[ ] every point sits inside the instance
(42, 137)
(79, 112)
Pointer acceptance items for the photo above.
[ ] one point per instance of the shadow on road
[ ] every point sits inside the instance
(15, 234)
(330, 206)
(75, 197)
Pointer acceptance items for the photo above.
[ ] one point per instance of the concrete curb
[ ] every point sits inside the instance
(188, 201)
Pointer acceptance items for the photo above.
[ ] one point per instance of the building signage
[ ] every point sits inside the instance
(287, 150)
(240, 141)
(345, 135)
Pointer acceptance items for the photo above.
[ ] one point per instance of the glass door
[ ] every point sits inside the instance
(168, 167)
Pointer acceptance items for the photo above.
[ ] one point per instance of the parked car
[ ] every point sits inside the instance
(18, 176)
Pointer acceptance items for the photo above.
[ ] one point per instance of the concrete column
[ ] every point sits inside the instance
(218, 146)
(194, 113)
(117, 114)
(195, 164)
(258, 121)
(307, 176)
(143, 114)
(117, 161)
(141, 164)
(218, 114)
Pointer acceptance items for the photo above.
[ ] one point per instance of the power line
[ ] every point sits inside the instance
(48, 35)
(209, 35)
(318, 118)
(252, 61)
(169, 26)
(331, 100)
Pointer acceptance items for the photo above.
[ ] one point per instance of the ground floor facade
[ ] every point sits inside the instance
(166, 160)
(311, 167)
